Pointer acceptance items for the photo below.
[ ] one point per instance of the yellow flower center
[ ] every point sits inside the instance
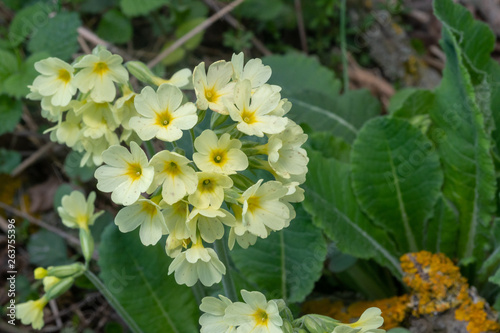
(82, 221)
(101, 68)
(148, 208)
(207, 185)
(134, 171)
(211, 95)
(261, 317)
(64, 75)
(253, 203)
(164, 118)
(172, 169)
(218, 156)
(248, 117)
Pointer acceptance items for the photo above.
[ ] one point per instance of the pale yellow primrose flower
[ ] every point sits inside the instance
(210, 190)
(180, 79)
(31, 312)
(197, 263)
(174, 246)
(176, 217)
(286, 156)
(95, 147)
(256, 315)
(144, 213)
(99, 72)
(126, 175)
(174, 174)
(212, 88)
(56, 81)
(76, 212)
(98, 118)
(263, 209)
(238, 232)
(369, 322)
(221, 155)
(209, 222)
(212, 321)
(124, 108)
(161, 114)
(254, 70)
(252, 111)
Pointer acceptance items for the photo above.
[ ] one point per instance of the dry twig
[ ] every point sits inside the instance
(96, 40)
(300, 25)
(32, 159)
(202, 26)
(237, 25)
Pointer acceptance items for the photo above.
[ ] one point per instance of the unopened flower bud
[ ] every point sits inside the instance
(66, 270)
(59, 288)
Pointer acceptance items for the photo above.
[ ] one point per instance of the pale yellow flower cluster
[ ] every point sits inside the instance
(195, 199)
(80, 100)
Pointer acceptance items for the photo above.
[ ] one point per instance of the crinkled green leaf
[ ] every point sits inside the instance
(287, 263)
(330, 146)
(8, 66)
(476, 41)
(10, 113)
(416, 103)
(142, 7)
(28, 20)
(115, 27)
(396, 178)
(58, 36)
(296, 72)
(331, 202)
(137, 276)
(442, 229)
(464, 148)
(9, 160)
(16, 84)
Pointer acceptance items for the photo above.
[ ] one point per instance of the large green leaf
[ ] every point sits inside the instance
(296, 72)
(58, 36)
(396, 178)
(314, 93)
(16, 84)
(137, 276)
(287, 263)
(464, 149)
(442, 229)
(115, 27)
(329, 198)
(8, 66)
(476, 41)
(27, 20)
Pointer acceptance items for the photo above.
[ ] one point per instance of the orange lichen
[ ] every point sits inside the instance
(436, 286)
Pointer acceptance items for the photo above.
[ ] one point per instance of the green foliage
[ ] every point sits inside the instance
(396, 178)
(331, 202)
(16, 85)
(8, 66)
(58, 36)
(138, 8)
(115, 27)
(442, 229)
(9, 160)
(469, 175)
(10, 113)
(314, 93)
(137, 277)
(74, 170)
(287, 263)
(47, 249)
(28, 20)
